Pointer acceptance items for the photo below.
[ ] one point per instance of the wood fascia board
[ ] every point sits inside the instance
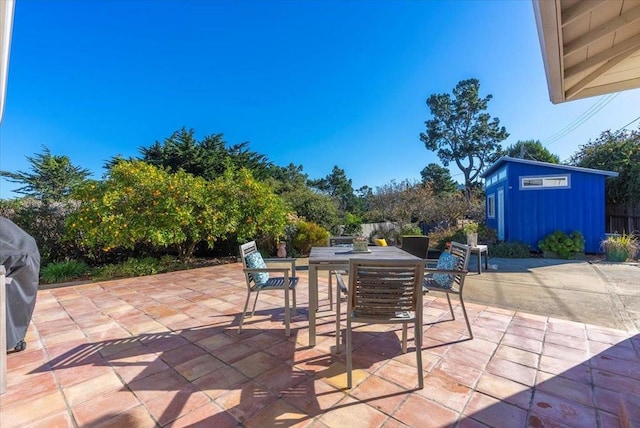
(632, 43)
(548, 23)
(602, 30)
(575, 89)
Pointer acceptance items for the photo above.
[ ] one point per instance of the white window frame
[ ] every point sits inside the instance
(491, 205)
(546, 182)
(495, 178)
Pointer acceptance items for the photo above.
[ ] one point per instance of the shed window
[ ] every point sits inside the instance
(545, 182)
(491, 206)
(494, 178)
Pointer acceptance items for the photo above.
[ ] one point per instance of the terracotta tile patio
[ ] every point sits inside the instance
(164, 351)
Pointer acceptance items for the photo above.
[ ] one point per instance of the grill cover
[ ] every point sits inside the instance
(21, 259)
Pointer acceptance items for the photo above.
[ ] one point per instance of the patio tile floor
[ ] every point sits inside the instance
(163, 350)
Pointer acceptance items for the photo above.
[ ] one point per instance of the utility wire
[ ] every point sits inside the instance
(597, 104)
(634, 120)
(584, 117)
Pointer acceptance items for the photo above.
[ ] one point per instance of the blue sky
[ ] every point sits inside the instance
(316, 83)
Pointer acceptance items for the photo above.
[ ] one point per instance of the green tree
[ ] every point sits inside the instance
(363, 202)
(401, 203)
(287, 178)
(208, 158)
(52, 177)
(338, 186)
(313, 207)
(438, 178)
(462, 132)
(532, 150)
(615, 151)
(260, 212)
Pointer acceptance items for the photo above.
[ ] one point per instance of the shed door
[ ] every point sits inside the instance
(500, 214)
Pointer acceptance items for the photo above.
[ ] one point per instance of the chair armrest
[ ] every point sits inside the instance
(289, 260)
(430, 262)
(340, 281)
(272, 270)
(452, 272)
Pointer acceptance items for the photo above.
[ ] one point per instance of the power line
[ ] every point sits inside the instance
(588, 114)
(634, 120)
(580, 117)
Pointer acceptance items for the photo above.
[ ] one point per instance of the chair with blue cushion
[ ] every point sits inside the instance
(258, 279)
(448, 276)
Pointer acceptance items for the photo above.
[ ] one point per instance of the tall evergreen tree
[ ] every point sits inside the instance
(460, 130)
(532, 150)
(338, 186)
(438, 178)
(52, 177)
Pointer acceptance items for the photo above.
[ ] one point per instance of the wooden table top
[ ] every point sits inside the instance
(344, 254)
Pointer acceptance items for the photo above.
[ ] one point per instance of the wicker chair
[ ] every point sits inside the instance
(458, 275)
(257, 282)
(386, 292)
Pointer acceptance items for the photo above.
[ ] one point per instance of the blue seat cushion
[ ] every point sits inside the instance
(447, 261)
(255, 261)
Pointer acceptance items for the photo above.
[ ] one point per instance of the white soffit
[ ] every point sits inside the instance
(589, 47)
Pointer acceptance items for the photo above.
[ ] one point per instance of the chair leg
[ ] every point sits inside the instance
(246, 304)
(330, 290)
(450, 307)
(294, 301)
(287, 315)
(404, 338)
(255, 302)
(349, 362)
(338, 316)
(466, 318)
(417, 333)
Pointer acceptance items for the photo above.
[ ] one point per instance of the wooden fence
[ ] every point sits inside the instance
(623, 218)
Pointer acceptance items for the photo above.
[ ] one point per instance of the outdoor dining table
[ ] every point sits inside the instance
(336, 259)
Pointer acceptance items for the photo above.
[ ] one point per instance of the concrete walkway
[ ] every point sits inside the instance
(600, 293)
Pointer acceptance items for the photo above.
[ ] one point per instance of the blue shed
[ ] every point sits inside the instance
(527, 200)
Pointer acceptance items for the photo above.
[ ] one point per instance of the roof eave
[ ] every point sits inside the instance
(549, 25)
(505, 159)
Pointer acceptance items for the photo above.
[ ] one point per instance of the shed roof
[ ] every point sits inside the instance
(506, 159)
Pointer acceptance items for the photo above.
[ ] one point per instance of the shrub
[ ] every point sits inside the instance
(562, 244)
(63, 271)
(352, 224)
(143, 204)
(130, 268)
(509, 250)
(45, 222)
(442, 236)
(410, 229)
(620, 248)
(309, 235)
(487, 235)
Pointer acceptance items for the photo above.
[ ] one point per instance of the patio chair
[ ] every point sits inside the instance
(386, 292)
(258, 279)
(449, 279)
(418, 245)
